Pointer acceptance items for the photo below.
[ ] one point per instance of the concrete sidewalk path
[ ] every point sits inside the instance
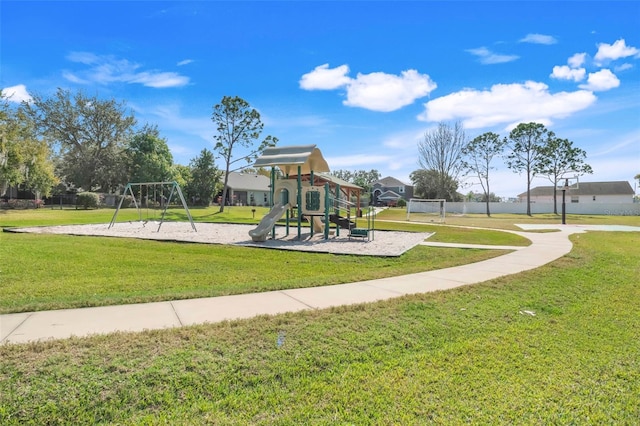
(64, 323)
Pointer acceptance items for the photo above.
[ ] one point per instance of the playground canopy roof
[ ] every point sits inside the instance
(338, 181)
(288, 158)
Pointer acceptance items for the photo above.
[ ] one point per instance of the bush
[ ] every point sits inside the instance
(21, 204)
(127, 202)
(88, 200)
(402, 202)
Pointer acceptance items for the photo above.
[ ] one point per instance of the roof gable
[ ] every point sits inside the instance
(389, 195)
(390, 182)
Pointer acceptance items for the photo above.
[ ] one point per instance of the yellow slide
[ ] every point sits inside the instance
(267, 223)
(318, 225)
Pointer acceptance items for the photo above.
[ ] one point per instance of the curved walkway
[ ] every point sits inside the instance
(64, 323)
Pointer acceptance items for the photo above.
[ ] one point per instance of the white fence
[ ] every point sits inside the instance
(611, 209)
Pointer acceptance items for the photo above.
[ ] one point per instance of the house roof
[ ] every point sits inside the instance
(288, 158)
(248, 182)
(587, 188)
(390, 182)
(389, 195)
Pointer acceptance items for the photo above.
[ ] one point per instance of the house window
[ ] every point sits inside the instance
(575, 199)
(594, 198)
(401, 189)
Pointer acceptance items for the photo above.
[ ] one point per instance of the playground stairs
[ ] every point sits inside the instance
(342, 222)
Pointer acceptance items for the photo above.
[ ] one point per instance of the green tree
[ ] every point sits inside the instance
(493, 198)
(150, 159)
(430, 185)
(363, 178)
(25, 160)
(89, 134)
(560, 158)
(182, 175)
(478, 155)
(39, 173)
(345, 175)
(205, 177)
(526, 142)
(259, 171)
(11, 156)
(441, 150)
(238, 126)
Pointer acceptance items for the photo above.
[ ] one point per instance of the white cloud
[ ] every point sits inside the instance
(624, 143)
(611, 52)
(108, 69)
(565, 73)
(487, 57)
(539, 39)
(160, 80)
(386, 92)
(577, 60)
(601, 81)
(16, 94)
(404, 140)
(86, 58)
(74, 78)
(172, 118)
(506, 104)
(185, 62)
(376, 91)
(182, 151)
(324, 78)
(356, 160)
(623, 67)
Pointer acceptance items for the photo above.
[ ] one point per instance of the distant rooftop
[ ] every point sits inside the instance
(248, 182)
(587, 188)
(390, 182)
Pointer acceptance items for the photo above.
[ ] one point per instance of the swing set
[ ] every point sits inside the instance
(152, 194)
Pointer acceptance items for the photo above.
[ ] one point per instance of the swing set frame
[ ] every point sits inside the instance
(175, 189)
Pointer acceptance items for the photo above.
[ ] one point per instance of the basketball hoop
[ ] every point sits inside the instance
(567, 183)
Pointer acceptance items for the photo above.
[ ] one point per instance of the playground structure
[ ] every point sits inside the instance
(152, 193)
(302, 189)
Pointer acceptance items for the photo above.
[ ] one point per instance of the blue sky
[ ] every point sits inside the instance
(362, 80)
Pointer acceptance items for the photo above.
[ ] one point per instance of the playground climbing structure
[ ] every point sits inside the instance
(303, 190)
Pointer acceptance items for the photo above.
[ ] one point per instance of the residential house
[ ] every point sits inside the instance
(387, 191)
(586, 192)
(247, 189)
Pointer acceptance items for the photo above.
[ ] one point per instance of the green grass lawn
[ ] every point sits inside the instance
(508, 221)
(67, 216)
(62, 271)
(456, 234)
(59, 271)
(466, 356)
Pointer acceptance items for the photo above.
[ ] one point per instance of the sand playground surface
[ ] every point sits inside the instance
(381, 243)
